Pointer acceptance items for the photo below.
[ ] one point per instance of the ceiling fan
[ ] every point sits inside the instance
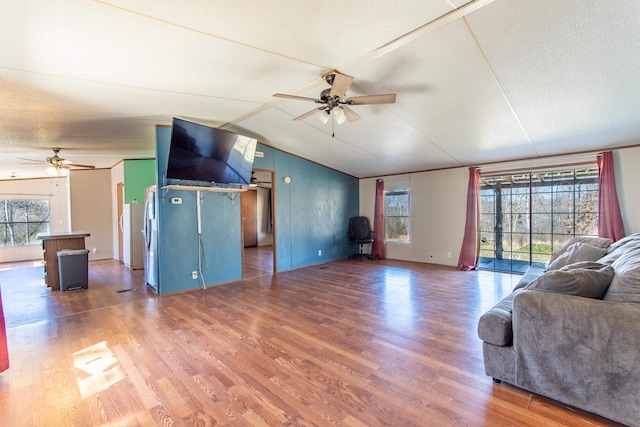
(59, 166)
(335, 101)
(259, 183)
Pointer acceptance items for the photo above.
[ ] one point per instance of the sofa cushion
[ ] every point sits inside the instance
(533, 272)
(495, 326)
(577, 252)
(585, 279)
(600, 242)
(621, 247)
(625, 285)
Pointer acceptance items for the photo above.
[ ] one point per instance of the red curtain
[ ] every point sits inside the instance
(471, 242)
(378, 246)
(609, 218)
(4, 352)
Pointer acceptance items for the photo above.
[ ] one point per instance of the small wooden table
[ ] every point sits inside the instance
(51, 244)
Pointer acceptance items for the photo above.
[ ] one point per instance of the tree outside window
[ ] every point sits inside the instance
(22, 220)
(396, 216)
(525, 217)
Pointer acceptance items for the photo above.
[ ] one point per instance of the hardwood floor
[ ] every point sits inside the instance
(346, 343)
(258, 261)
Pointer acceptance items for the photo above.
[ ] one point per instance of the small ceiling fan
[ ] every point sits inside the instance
(259, 183)
(59, 166)
(335, 101)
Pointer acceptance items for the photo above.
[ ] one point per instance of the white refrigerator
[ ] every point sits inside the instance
(132, 224)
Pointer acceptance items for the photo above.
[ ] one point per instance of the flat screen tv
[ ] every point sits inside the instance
(207, 154)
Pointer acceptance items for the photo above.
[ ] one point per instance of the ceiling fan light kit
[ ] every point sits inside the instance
(57, 166)
(336, 102)
(338, 115)
(323, 115)
(57, 171)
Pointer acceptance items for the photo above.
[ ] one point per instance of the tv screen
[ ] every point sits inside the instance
(202, 153)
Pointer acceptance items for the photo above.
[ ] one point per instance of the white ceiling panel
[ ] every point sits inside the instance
(313, 143)
(325, 35)
(477, 81)
(569, 69)
(456, 103)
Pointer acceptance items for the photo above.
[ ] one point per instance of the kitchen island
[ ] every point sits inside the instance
(52, 243)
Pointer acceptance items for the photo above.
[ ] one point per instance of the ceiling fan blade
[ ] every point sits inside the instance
(388, 98)
(309, 114)
(341, 83)
(299, 98)
(31, 160)
(351, 115)
(75, 165)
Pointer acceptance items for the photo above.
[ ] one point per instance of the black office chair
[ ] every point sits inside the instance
(360, 233)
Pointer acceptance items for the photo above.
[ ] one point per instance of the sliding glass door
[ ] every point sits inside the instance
(525, 217)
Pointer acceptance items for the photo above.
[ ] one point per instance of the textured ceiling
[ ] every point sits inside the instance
(476, 81)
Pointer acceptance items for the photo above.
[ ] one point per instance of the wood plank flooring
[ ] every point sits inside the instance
(348, 343)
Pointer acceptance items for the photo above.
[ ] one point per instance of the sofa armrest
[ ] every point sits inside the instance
(581, 351)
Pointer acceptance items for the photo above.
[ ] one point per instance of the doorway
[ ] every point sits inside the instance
(258, 225)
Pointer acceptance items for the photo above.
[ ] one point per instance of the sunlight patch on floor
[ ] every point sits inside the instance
(97, 363)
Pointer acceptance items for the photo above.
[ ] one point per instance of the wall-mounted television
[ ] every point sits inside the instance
(207, 154)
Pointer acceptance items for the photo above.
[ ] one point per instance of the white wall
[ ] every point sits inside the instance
(90, 200)
(438, 204)
(627, 164)
(438, 201)
(53, 189)
(265, 237)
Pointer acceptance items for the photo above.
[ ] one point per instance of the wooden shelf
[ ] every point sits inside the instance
(197, 188)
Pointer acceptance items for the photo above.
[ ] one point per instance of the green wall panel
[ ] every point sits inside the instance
(138, 175)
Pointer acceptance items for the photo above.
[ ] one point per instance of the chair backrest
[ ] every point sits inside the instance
(359, 229)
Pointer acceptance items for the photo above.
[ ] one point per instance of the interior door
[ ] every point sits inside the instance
(249, 206)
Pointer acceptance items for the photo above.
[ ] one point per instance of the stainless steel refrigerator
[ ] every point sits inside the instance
(150, 232)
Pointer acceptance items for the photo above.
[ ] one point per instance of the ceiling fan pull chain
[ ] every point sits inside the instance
(333, 128)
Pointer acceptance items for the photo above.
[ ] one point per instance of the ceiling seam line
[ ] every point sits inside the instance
(79, 79)
(433, 25)
(499, 84)
(195, 30)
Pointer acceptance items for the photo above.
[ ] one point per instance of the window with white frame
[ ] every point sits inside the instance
(397, 216)
(22, 220)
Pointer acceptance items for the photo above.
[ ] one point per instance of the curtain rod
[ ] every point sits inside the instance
(538, 168)
(25, 194)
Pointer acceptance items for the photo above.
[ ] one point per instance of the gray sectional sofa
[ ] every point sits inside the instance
(571, 330)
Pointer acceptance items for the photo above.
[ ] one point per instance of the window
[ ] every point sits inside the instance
(396, 216)
(526, 217)
(22, 220)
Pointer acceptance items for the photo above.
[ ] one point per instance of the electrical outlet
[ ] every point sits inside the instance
(194, 274)
(449, 254)
(319, 252)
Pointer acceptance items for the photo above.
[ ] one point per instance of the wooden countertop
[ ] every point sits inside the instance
(62, 235)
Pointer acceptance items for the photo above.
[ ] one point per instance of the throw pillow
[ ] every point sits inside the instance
(625, 286)
(577, 252)
(584, 279)
(600, 242)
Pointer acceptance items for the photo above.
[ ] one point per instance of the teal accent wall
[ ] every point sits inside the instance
(138, 175)
(311, 214)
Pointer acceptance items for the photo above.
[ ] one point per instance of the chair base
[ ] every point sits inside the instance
(360, 256)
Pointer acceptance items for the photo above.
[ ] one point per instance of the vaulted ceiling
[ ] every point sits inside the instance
(476, 81)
